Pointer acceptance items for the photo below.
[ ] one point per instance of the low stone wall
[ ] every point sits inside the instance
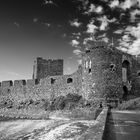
(96, 132)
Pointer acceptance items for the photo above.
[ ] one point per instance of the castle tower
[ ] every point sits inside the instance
(43, 68)
(102, 73)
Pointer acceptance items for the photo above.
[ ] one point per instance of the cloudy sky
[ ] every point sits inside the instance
(62, 29)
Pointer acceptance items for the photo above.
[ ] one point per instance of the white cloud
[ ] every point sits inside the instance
(75, 23)
(77, 34)
(35, 20)
(134, 31)
(79, 61)
(46, 2)
(77, 52)
(91, 9)
(88, 39)
(135, 47)
(131, 39)
(64, 35)
(124, 49)
(105, 39)
(84, 4)
(91, 28)
(124, 44)
(114, 3)
(120, 31)
(94, 9)
(47, 24)
(138, 3)
(75, 43)
(133, 15)
(127, 4)
(112, 20)
(126, 38)
(125, 41)
(104, 23)
(99, 10)
(16, 24)
(101, 36)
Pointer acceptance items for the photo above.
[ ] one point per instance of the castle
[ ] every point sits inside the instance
(104, 73)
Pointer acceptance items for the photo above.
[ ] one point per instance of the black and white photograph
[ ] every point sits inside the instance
(69, 69)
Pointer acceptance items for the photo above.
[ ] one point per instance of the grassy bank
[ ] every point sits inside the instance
(77, 113)
(133, 104)
(71, 106)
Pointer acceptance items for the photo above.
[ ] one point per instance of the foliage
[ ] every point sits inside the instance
(70, 101)
(133, 104)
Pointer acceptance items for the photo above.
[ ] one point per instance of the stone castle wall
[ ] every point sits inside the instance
(47, 88)
(99, 76)
(102, 73)
(135, 77)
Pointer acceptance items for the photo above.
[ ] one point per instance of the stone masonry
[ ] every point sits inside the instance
(110, 73)
(104, 73)
(47, 88)
(43, 68)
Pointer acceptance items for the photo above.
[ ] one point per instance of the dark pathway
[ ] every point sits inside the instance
(122, 125)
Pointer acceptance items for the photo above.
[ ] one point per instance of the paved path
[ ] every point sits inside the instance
(123, 125)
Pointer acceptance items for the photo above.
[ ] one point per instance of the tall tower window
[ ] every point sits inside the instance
(86, 64)
(125, 70)
(90, 64)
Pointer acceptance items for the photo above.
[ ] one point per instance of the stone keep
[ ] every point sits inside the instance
(43, 68)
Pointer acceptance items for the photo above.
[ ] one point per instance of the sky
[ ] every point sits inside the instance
(62, 29)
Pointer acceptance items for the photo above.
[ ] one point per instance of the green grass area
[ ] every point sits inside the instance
(71, 106)
(77, 113)
(24, 114)
(133, 104)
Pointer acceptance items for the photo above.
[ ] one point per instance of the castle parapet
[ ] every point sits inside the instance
(32, 82)
(19, 83)
(6, 84)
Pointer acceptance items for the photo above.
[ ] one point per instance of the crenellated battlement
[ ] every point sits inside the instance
(19, 83)
(6, 84)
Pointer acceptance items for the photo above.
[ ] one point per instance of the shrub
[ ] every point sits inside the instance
(130, 105)
(59, 103)
(70, 101)
(73, 97)
(31, 101)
